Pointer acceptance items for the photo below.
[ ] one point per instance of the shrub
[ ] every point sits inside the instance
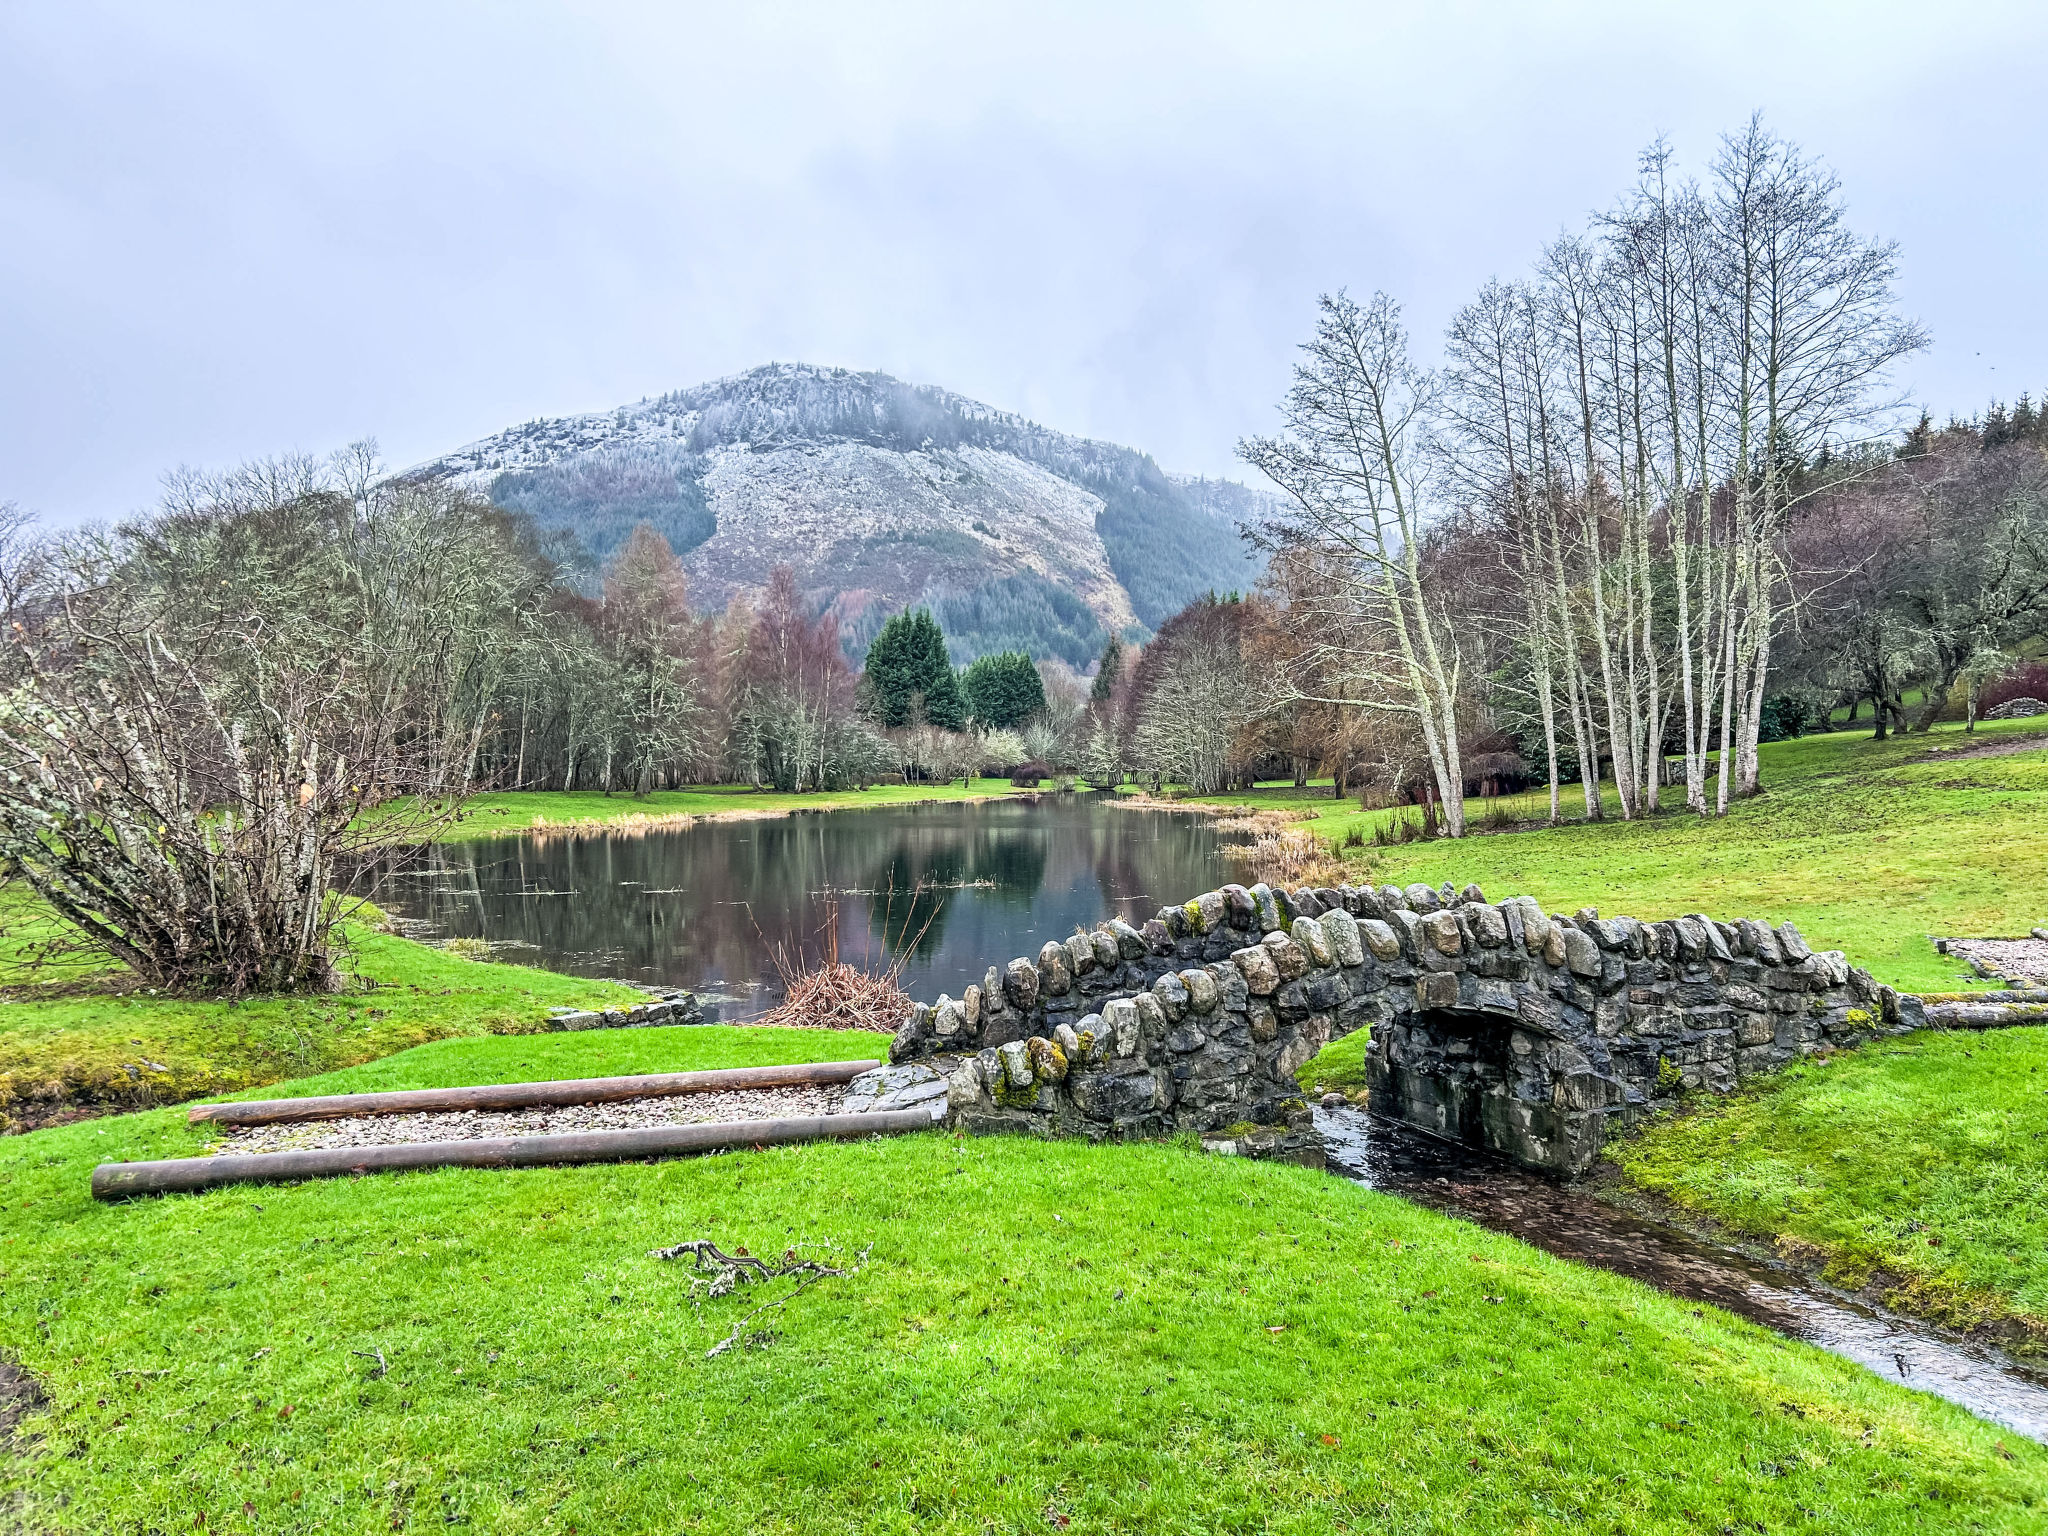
(1000, 751)
(1784, 717)
(193, 827)
(1029, 775)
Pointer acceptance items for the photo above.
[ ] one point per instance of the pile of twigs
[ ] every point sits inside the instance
(836, 994)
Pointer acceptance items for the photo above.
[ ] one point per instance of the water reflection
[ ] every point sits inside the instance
(1573, 1224)
(953, 887)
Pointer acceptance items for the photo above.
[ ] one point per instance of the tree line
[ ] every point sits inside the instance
(1610, 529)
(210, 711)
(1653, 509)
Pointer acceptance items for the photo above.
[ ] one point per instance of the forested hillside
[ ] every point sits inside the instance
(882, 494)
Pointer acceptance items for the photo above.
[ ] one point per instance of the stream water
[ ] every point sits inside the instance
(1574, 1224)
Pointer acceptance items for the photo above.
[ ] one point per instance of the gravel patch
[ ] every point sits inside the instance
(2005, 957)
(552, 1120)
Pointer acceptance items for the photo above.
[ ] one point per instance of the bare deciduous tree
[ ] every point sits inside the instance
(1351, 462)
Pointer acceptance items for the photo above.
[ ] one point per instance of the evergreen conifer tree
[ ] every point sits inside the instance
(910, 676)
(1106, 673)
(1997, 429)
(1920, 440)
(2026, 424)
(1003, 690)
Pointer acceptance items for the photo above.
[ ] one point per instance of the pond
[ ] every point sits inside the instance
(948, 888)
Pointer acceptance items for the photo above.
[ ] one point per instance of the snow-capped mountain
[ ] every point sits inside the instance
(881, 494)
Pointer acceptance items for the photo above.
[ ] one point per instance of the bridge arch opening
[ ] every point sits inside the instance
(1483, 1080)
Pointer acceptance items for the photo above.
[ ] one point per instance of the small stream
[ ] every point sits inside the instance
(1493, 1193)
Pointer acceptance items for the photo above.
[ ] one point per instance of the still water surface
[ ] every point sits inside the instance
(705, 906)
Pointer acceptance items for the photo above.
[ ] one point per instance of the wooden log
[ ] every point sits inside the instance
(121, 1181)
(570, 1090)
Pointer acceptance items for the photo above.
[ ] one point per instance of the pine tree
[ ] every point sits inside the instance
(2026, 424)
(1920, 440)
(1106, 674)
(1997, 429)
(911, 678)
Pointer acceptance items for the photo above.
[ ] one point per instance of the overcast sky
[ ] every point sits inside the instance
(229, 230)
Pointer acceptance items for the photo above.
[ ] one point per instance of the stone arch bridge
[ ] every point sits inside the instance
(1493, 1023)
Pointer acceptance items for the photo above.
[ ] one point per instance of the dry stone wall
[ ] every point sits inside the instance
(1495, 1024)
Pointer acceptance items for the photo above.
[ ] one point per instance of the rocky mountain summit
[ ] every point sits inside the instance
(881, 494)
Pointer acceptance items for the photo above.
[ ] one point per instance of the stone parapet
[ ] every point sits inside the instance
(1495, 1024)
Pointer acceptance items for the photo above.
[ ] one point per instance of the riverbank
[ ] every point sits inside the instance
(1868, 847)
(510, 812)
(1043, 1335)
(1914, 1171)
(1911, 1172)
(78, 1036)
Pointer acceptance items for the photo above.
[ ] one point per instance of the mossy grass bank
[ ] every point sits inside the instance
(1044, 1336)
(1914, 1168)
(78, 1038)
(1870, 847)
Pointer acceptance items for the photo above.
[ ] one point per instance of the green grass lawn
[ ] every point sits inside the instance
(1918, 1166)
(1866, 847)
(1047, 1336)
(493, 815)
(77, 1033)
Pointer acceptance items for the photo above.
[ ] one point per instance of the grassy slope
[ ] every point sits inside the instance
(1288, 1352)
(1866, 850)
(78, 1038)
(519, 810)
(1921, 1163)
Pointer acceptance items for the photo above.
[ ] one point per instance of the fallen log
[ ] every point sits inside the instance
(571, 1090)
(122, 1181)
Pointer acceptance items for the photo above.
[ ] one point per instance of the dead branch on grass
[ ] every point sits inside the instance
(729, 1271)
